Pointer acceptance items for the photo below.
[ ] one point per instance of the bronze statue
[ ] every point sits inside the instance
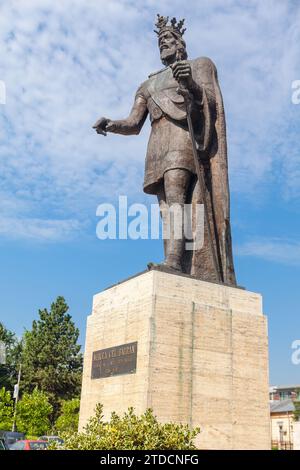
(186, 159)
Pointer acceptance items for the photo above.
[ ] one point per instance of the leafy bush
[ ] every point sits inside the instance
(9, 370)
(68, 420)
(6, 410)
(297, 410)
(33, 412)
(129, 432)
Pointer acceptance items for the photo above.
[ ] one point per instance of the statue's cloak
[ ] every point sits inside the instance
(215, 149)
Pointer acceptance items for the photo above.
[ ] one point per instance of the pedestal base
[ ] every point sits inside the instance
(202, 357)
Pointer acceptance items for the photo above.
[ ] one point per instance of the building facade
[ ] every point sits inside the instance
(284, 429)
(284, 392)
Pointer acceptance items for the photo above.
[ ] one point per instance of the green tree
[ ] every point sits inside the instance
(33, 413)
(6, 410)
(297, 406)
(130, 432)
(68, 420)
(297, 410)
(51, 358)
(9, 370)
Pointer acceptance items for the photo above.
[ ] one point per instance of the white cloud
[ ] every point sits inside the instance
(276, 250)
(38, 229)
(67, 63)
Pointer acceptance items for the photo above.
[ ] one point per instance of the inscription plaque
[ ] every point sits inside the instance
(114, 361)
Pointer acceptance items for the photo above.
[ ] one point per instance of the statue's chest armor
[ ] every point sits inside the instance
(162, 89)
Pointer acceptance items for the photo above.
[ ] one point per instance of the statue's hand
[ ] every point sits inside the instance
(111, 126)
(182, 72)
(102, 125)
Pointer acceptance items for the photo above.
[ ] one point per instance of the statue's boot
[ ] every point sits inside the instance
(174, 251)
(165, 266)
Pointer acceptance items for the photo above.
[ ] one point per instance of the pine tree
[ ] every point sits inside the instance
(51, 358)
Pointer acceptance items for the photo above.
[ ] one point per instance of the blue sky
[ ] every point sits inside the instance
(65, 64)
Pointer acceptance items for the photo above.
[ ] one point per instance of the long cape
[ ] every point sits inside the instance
(215, 148)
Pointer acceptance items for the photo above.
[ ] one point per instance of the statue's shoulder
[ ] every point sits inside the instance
(154, 74)
(204, 63)
(151, 80)
(144, 86)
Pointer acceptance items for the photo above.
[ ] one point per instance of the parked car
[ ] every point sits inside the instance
(3, 445)
(51, 438)
(10, 437)
(28, 444)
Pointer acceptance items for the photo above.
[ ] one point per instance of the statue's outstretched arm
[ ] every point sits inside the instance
(129, 126)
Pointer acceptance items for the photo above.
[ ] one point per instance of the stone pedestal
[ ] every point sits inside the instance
(202, 357)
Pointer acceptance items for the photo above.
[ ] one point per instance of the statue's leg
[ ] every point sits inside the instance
(176, 188)
(161, 196)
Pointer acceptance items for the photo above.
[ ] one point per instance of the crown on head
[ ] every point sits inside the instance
(162, 25)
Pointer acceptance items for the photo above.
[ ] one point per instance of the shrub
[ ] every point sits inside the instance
(6, 410)
(33, 412)
(129, 432)
(68, 420)
(297, 410)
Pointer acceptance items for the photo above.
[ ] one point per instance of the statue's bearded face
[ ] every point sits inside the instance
(168, 45)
